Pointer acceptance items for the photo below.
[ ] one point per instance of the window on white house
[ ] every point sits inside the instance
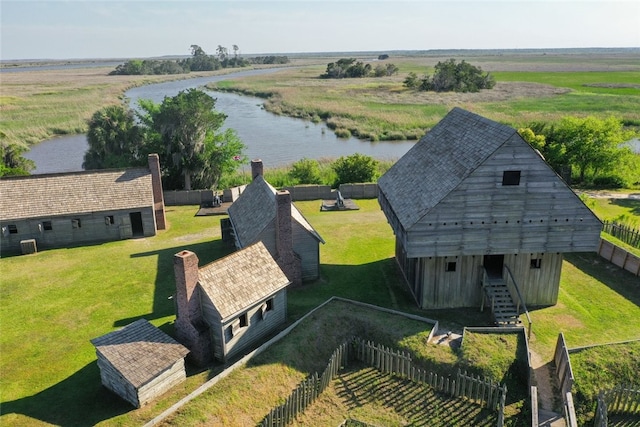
(266, 307)
(511, 178)
(244, 320)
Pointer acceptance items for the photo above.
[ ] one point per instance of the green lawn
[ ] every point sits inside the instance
(55, 301)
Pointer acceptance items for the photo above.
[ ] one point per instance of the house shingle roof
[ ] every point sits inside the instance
(240, 280)
(255, 209)
(52, 195)
(139, 351)
(453, 149)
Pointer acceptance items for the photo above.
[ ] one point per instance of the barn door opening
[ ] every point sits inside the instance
(136, 224)
(493, 264)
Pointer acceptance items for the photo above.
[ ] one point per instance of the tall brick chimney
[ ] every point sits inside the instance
(158, 197)
(256, 168)
(287, 259)
(191, 330)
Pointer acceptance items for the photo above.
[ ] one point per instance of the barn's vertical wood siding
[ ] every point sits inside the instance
(446, 289)
(539, 286)
(245, 337)
(93, 229)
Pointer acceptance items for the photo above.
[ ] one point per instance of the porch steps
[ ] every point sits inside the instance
(504, 310)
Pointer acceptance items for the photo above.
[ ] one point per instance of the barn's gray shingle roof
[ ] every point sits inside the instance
(240, 280)
(439, 162)
(139, 351)
(53, 195)
(256, 208)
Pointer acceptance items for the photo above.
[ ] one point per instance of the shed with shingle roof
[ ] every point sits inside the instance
(253, 217)
(240, 299)
(472, 196)
(140, 362)
(89, 206)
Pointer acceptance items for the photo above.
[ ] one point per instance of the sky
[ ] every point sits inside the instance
(70, 29)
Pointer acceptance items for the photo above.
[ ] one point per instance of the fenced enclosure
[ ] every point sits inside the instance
(623, 232)
(482, 392)
(619, 256)
(620, 400)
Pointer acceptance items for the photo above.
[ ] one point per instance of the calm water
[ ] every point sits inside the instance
(277, 140)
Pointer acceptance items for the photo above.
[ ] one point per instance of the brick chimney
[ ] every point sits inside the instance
(191, 330)
(256, 168)
(287, 259)
(158, 196)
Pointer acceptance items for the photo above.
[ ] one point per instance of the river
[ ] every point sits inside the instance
(277, 140)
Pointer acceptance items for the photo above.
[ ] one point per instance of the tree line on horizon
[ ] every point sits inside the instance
(199, 61)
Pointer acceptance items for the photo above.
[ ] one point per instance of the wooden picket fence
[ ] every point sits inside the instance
(483, 392)
(623, 232)
(620, 400)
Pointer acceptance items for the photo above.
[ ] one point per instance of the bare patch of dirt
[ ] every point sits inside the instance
(503, 91)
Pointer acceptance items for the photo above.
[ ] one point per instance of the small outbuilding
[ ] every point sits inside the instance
(261, 213)
(140, 362)
(61, 209)
(229, 305)
(473, 206)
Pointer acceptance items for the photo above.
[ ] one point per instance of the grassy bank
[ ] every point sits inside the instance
(529, 89)
(37, 105)
(55, 301)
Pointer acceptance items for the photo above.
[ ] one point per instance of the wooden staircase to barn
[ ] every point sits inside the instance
(503, 309)
(502, 295)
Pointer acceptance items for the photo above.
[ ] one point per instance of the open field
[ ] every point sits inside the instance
(529, 88)
(55, 301)
(37, 105)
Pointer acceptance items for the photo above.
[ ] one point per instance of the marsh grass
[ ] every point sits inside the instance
(37, 105)
(534, 88)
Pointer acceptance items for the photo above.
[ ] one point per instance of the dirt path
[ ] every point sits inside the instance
(544, 379)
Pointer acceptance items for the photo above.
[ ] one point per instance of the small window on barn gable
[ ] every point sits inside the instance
(536, 262)
(511, 178)
(450, 266)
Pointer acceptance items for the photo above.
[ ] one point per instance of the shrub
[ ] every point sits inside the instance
(306, 171)
(343, 133)
(609, 181)
(355, 168)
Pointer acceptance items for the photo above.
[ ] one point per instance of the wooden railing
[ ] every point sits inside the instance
(565, 379)
(512, 285)
(623, 232)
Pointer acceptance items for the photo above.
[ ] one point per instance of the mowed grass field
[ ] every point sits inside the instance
(55, 301)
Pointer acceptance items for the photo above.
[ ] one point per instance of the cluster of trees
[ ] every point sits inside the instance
(590, 147)
(199, 61)
(184, 130)
(349, 68)
(350, 169)
(11, 161)
(450, 76)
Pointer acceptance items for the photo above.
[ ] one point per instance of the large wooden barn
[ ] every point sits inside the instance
(260, 213)
(472, 201)
(140, 362)
(229, 305)
(54, 210)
